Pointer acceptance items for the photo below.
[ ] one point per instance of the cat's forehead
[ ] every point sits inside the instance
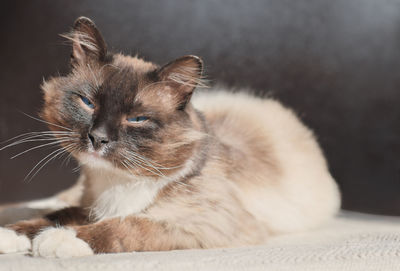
(121, 76)
(126, 72)
(136, 63)
(124, 83)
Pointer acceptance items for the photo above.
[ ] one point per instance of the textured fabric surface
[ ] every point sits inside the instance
(351, 241)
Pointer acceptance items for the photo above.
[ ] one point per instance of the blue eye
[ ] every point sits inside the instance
(87, 102)
(137, 119)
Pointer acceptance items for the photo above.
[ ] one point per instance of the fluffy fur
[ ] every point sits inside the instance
(12, 242)
(204, 170)
(59, 243)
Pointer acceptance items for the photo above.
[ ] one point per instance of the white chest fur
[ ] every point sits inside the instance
(110, 192)
(116, 193)
(126, 199)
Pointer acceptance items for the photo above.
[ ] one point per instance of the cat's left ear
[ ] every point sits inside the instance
(87, 42)
(183, 75)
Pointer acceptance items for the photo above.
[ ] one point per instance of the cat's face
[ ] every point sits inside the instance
(122, 111)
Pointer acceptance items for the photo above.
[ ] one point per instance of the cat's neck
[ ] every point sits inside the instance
(110, 191)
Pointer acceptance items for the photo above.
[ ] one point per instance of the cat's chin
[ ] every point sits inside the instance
(93, 159)
(97, 163)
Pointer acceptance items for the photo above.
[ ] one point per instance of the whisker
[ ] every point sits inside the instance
(68, 154)
(52, 158)
(48, 135)
(44, 133)
(31, 140)
(76, 169)
(143, 160)
(55, 153)
(183, 184)
(128, 163)
(40, 146)
(152, 163)
(124, 164)
(132, 163)
(40, 120)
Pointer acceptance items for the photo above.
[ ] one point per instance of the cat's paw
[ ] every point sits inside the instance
(11, 242)
(59, 243)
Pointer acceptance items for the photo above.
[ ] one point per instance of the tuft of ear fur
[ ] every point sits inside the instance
(183, 75)
(87, 42)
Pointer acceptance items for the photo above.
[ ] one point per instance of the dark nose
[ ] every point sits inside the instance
(98, 137)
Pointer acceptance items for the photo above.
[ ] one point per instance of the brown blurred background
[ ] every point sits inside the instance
(337, 63)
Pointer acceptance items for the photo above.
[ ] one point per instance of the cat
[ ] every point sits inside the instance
(164, 167)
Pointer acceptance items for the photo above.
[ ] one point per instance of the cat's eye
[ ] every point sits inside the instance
(137, 119)
(87, 102)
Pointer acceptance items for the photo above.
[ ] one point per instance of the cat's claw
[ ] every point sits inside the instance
(59, 243)
(11, 242)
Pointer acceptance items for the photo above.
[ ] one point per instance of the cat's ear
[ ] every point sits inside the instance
(183, 75)
(87, 42)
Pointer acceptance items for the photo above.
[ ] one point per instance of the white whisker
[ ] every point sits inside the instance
(40, 120)
(55, 153)
(32, 140)
(41, 146)
(68, 153)
(135, 163)
(34, 134)
(152, 163)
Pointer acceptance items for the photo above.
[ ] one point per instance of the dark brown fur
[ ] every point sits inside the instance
(68, 216)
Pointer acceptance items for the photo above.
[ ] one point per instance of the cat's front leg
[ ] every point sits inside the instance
(111, 236)
(60, 243)
(12, 242)
(67, 216)
(17, 237)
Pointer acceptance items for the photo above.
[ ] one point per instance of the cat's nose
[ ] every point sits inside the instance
(98, 138)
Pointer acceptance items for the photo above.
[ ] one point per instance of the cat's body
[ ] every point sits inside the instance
(258, 158)
(223, 170)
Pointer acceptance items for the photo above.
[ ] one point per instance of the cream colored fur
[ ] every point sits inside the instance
(59, 243)
(11, 242)
(111, 192)
(297, 193)
(264, 175)
(304, 194)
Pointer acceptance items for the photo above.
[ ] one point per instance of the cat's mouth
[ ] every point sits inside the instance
(99, 153)
(92, 157)
(95, 154)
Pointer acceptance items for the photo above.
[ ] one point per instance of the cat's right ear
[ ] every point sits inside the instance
(87, 42)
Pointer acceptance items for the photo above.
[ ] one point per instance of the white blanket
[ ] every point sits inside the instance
(352, 241)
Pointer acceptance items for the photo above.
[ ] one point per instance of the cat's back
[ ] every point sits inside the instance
(281, 170)
(245, 118)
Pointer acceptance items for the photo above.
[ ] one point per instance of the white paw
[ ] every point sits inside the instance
(59, 243)
(11, 242)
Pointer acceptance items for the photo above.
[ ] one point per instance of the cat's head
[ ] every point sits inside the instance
(122, 111)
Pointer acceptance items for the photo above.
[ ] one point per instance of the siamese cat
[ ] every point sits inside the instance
(165, 168)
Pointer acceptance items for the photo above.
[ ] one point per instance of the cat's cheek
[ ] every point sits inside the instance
(11, 242)
(59, 243)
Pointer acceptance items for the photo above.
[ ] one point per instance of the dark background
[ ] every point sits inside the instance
(337, 63)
